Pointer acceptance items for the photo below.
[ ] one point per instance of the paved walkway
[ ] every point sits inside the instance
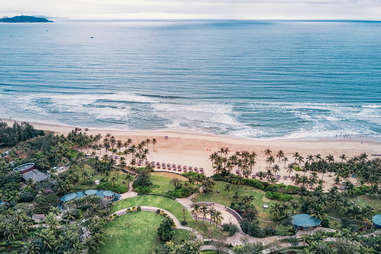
(170, 215)
(130, 194)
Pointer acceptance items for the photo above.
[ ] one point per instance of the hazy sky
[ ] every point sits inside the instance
(198, 9)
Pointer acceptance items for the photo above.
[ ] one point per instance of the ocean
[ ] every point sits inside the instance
(253, 79)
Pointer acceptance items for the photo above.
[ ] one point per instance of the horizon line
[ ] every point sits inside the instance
(190, 19)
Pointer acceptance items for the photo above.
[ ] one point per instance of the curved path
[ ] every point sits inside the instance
(170, 215)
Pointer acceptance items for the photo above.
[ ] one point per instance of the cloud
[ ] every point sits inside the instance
(199, 9)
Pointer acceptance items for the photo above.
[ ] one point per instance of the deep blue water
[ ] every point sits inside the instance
(248, 79)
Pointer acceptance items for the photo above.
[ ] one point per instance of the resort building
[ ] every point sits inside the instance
(104, 194)
(305, 221)
(28, 171)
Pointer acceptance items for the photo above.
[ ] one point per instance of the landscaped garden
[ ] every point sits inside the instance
(136, 233)
(224, 193)
(85, 176)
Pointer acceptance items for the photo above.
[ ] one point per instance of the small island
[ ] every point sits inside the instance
(24, 19)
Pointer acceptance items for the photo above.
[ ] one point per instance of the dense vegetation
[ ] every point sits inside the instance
(11, 136)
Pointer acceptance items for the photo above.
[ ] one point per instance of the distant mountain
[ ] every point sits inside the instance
(24, 19)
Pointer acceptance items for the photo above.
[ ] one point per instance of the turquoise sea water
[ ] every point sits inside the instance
(248, 79)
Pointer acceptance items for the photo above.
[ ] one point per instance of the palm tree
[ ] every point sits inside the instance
(153, 144)
(276, 169)
(218, 217)
(119, 145)
(296, 156)
(212, 213)
(270, 160)
(285, 159)
(280, 155)
(268, 152)
(204, 210)
(290, 169)
(196, 210)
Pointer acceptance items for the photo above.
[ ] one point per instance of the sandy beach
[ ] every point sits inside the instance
(193, 149)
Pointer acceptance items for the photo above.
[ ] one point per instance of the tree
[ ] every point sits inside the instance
(186, 247)
(165, 230)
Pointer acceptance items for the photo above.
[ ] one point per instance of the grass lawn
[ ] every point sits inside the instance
(161, 184)
(134, 233)
(165, 203)
(371, 200)
(222, 196)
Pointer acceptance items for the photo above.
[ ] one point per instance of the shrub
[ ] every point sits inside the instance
(165, 230)
(45, 202)
(184, 222)
(139, 209)
(285, 230)
(143, 179)
(143, 189)
(182, 192)
(230, 228)
(325, 222)
(252, 228)
(278, 196)
(27, 196)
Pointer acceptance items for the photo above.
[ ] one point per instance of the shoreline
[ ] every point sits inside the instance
(193, 149)
(63, 128)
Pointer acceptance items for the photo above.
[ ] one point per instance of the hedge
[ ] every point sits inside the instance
(278, 196)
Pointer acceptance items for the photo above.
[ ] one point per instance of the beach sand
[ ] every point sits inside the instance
(193, 149)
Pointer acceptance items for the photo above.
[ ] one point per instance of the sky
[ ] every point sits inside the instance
(195, 9)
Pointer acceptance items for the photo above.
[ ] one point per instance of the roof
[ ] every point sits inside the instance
(108, 193)
(35, 175)
(99, 193)
(305, 221)
(25, 166)
(91, 192)
(38, 217)
(69, 197)
(377, 220)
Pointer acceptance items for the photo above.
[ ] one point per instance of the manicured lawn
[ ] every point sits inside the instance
(162, 182)
(371, 200)
(165, 203)
(133, 233)
(222, 196)
(136, 233)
